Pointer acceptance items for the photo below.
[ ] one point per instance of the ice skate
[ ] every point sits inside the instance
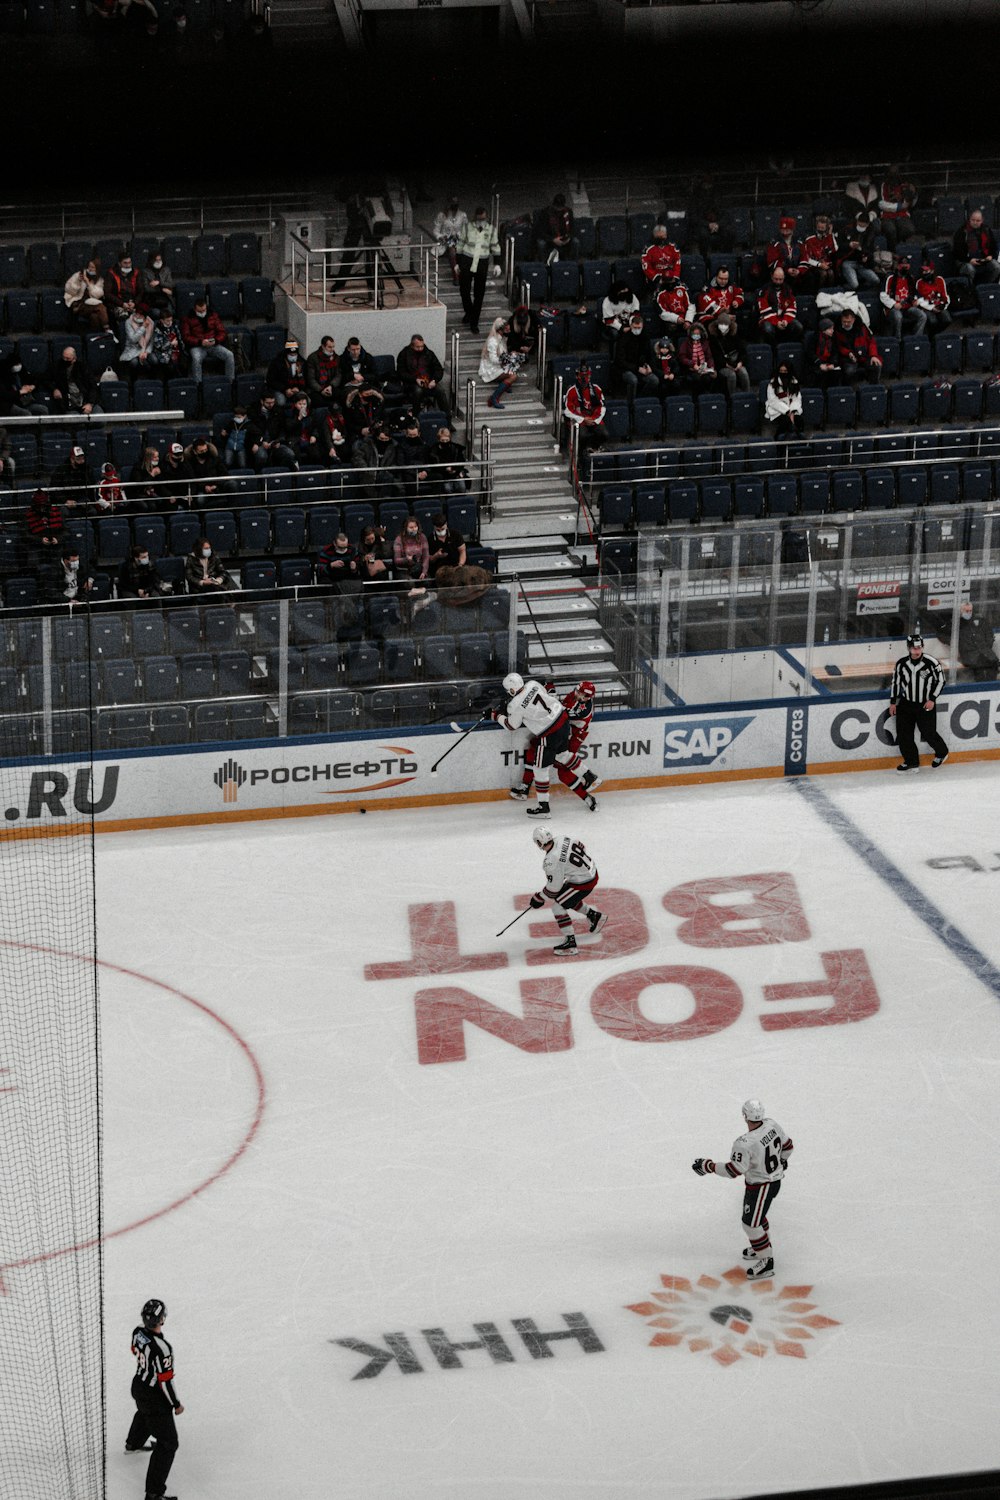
(146, 1447)
(590, 780)
(761, 1269)
(519, 793)
(540, 810)
(568, 946)
(597, 920)
(751, 1254)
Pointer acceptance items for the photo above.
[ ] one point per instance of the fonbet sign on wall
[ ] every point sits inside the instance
(307, 776)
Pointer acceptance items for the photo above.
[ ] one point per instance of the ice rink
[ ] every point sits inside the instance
(350, 1129)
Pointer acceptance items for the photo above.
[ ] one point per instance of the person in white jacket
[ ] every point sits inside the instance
(448, 227)
(783, 407)
(497, 365)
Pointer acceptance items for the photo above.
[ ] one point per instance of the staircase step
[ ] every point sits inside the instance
(559, 606)
(550, 524)
(581, 630)
(585, 653)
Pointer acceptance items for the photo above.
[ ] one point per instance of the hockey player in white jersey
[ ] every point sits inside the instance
(760, 1157)
(570, 877)
(532, 707)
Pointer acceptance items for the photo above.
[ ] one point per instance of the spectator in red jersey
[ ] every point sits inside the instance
(856, 254)
(661, 259)
(719, 296)
(896, 199)
(323, 373)
(819, 252)
(584, 408)
(783, 406)
(676, 307)
(932, 298)
(204, 336)
(44, 520)
(900, 312)
(975, 247)
(846, 351)
(697, 360)
(777, 310)
(787, 252)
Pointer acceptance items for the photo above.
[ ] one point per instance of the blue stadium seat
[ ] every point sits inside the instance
(534, 276)
(948, 353)
(216, 395)
(186, 294)
(935, 401)
(243, 253)
(679, 413)
(616, 506)
(21, 312)
(980, 350)
(357, 516)
(400, 659)
(616, 421)
(363, 663)
(713, 414)
(650, 504)
(124, 729)
(151, 532)
(323, 524)
(52, 310)
(618, 555)
(113, 540)
(185, 530)
(70, 639)
(582, 332)
(873, 404)
(211, 723)
(183, 630)
(647, 417)
(564, 280)
(916, 355)
(759, 362)
(682, 500)
(295, 572)
(438, 653)
(210, 255)
(596, 279)
(147, 632)
(977, 482)
(748, 498)
(322, 665)
(586, 234)
(249, 720)
(745, 412)
(219, 627)
(257, 299)
(178, 253)
(946, 484)
(880, 488)
(197, 669)
(182, 395)
(847, 490)
(612, 235)
(234, 672)
(904, 402)
(147, 395)
(220, 530)
(889, 353)
(912, 485)
(159, 678)
(169, 726)
(814, 494)
(813, 408)
(716, 499)
(289, 533)
(988, 296)
(44, 264)
(14, 266)
(475, 654)
(782, 495)
(640, 231)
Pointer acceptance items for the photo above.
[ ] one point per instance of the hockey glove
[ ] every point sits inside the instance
(784, 1163)
(703, 1166)
(537, 900)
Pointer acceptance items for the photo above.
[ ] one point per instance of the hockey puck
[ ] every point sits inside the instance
(362, 809)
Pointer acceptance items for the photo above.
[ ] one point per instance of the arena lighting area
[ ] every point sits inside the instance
(419, 1199)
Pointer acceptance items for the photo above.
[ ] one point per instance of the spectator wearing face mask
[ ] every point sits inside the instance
(777, 310)
(44, 521)
(66, 578)
(729, 353)
(932, 298)
(84, 297)
(205, 470)
(661, 259)
(476, 243)
(123, 287)
(975, 249)
(203, 570)
(286, 374)
(783, 407)
(19, 397)
(373, 556)
(421, 374)
(235, 437)
(139, 579)
(136, 335)
(584, 408)
(168, 356)
(144, 480)
(323, 373)
(72, 386)
(554, 230)
(448, 226)
(617, 309)
(697, 360)
(300, 431)
(976, 641)
(448, 458)
(268, 447)
(411, 555)
(158, 286)
(447, 546)
(898, 297)
(378, 454)
(718, 296)
(204, 336)
(362, 409)
(337, 564)
(676, 307)
(175, 493)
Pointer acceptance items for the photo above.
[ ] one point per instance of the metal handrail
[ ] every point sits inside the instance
(543, 348)
(470, 416)
(453, 358)
(557, 406)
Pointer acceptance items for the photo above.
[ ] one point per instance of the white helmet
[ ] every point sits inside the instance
(753, 1110)
(543, 836)
(513, 683)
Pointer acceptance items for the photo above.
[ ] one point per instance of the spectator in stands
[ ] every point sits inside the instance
(379, 456)
(666, 365)
(286, 374)
(856, 254)
(176, 492)
(556, 231)
(819, 254)
(896, 200)
(849, 351)
(123, 287)
(203, 570)
(861, 199)
(206, 472)
(204, 336)
(933, 299)
(144, 479)
(110, 495)
(136, 334)
(363, 409)
(8, 464)
(661, 259)
(697, 361)
(719, 296)
(729, 353)
(777, 310)
(301, 435)
(617, 309)
(167, 356)
(323, 373)
(19, 397)
(44, 520)
(421, 374)
(676, 306)
(331, 435)
(413, 457)
(71, 482)
(448, 226)
(267, 435)
(66, 577)
(497, 365)
(373, 556)
(632, 365)
(783, 407)
(584, 408)
(358, 366)
(411, 555)
(138, 578)
(73, 388)
(976, 642)
(158, 286)
(450, 474)
(712, 233)
(900, 312)
(477, 242)
(83, 295)
(787, 252)
(523, 335)
(337, 564)
(235, 438)
(446, 547)
(975, 247)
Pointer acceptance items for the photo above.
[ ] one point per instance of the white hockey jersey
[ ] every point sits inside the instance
(757, 1154)
(532, 708)
(567, 863)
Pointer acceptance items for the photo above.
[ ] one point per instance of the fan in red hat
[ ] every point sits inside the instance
(932, 298)
(787, 251)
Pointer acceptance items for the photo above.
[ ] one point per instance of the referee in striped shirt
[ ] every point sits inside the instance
(916, 683)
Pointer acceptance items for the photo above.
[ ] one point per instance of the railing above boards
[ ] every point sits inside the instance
(342, 277)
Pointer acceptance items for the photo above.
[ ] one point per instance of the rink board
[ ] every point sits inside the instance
(308, 776)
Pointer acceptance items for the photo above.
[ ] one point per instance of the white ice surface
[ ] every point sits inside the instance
(381, 1195)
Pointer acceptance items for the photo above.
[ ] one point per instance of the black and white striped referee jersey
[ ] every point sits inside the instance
(916, 681)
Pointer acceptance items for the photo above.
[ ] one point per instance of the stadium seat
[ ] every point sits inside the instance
(362, 663)
(178, 253)
(210, 255)
(977, 482)
(948, 353)
(650, 504)
(52, 310)
(21, 311)
(716, 500)
(679, 414)
(220, 530)
(210, 723)
(713, 415)
(745, 412)
(295, 572)
(946, 484)
(847, 490)
(323, 524)
(182, 395)
(616, 506)
(880, 488)
(814, 494)
(596, 279)
(169, 725)
(197, 675)
(183, 630)
(647, 417)
(113, 541)
(243, 253)
(979, 350)
(682, 500)
(564, 281)
(889, 353)
(14, 266)
(904, 402)
(782, 495)
(249, 720)
(186, 294)
(616, 421)
(988, 296)
(915, 356)
(216, 395)
(44, 264)
(438, 654)
(759, 362)
(159, 678)
(935, 401)
(912, 485)
(873, 404)
(532, 276)
(400, 659)
(748, 498)
(322, 664)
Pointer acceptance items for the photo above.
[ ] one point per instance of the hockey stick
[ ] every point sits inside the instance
(464, 736)
(516, 919)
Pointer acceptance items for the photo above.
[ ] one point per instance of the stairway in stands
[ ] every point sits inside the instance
(534, 517)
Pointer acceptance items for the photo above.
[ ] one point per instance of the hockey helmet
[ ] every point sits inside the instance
(543, 836)
(513, 683)
(153, 1312)
(753, 1110)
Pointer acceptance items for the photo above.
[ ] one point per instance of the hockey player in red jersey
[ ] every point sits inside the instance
(760, 1157)
(579, 706)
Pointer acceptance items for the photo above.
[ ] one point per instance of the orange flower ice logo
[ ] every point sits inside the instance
(730, 1317)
